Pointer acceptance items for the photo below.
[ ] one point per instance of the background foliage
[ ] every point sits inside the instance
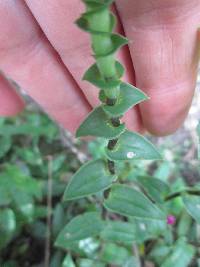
(37, 160)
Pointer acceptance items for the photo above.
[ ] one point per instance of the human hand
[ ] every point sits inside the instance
(47, 55)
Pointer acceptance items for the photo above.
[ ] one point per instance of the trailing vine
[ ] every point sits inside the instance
(116, 97)
(106, 74)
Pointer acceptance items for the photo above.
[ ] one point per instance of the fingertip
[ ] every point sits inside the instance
(164, 113)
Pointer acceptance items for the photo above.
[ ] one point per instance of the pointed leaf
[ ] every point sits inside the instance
(132, 146)
(5, 197)
(5, 145)
(114, 254)
(129, 97)
(159, 252)
(89, 179)
(90, 263)
(58, 219)
(192, 205)
(117, 41)
(93, 76)
(184, 224)
(130, 202)
(81, 227)
(95, 6)
(148, 229)
(7, 226)
(98, 124)
(82, 23)
(181, 255)
(154, 187)
(68, 262)
(116, 231)
(132, 262)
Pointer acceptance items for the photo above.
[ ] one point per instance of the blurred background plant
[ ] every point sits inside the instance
(37, 158)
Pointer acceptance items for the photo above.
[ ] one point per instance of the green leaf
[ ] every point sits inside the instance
(130, 202)
(18, 188)
(10, 263)
(7, 226)
(116, 231)
(58, 162)
(180, 256)
(5, 145)
(132, 262)
(132, 146)
(68, 262)
(57, 188)
(56, 259)
(154, 187)
(184, 224)
(32, 157)
(192, 205)
(58, 219)
(117, 41)
(98, 124)
(26, 210)
(7, 220)
(89, 245)
(40, 212)
(5, 198)
(90, 263)
(23, 129)
(82, 23)
(95, 6)
(19, 181)
(114, 254)
(163, 171)
(94, 76)
(159, 252)
(89, 179)
(129, 96)
(148, 229)
(81, 227)
(38, 230)
(102, 2)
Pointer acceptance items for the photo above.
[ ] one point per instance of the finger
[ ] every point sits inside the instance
(10, 102)
(56, 19)
(164, 52)
(27, 57)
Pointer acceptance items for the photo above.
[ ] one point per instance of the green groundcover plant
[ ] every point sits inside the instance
(27, 142)
(113, 212)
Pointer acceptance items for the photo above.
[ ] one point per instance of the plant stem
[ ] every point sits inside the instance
(49, 211)
(137, 254)
(179, 193)
(112, 143)
(111, 166)
(100, 22)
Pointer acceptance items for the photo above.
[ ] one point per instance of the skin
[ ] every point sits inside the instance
(46, 54)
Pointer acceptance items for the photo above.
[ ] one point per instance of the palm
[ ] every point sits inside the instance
(47, 56)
